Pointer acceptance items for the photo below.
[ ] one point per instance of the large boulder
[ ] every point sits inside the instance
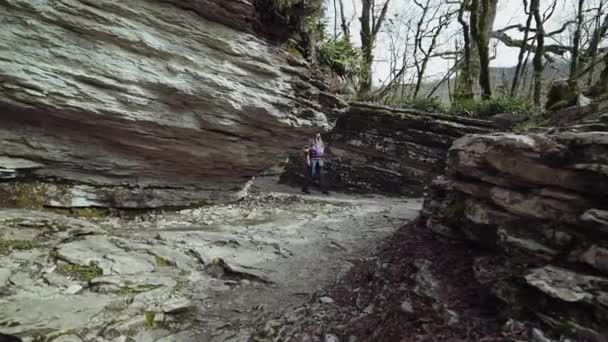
(380, 149)
(540, 203)
(152, 95)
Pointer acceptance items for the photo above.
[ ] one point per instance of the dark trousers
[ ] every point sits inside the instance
(314, 169)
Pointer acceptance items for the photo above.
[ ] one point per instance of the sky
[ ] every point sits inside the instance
(509, 12)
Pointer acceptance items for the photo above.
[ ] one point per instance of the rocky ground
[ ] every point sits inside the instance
(417, 286)
(205, 274)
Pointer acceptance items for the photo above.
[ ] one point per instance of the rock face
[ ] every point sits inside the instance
(540, 202)
(379, 149)
(149, 95)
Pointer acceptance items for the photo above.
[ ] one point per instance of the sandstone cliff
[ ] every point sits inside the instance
(540, 203)
(381, 149)
(145, 103)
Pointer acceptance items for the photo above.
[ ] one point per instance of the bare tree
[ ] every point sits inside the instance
(522, 52)
(483, 13)
(600, 88)
(476, 32)
(599, 32)
(344, 24)
(464, 79)
(576, 43)
(538, 54)
(398, 30)
(424, 31)
(370, 26)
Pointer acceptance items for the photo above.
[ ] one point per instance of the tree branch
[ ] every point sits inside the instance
(378, 22)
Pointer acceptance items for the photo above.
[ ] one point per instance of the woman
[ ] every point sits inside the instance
(314, 163)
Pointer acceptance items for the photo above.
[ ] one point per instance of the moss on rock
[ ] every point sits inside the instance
(6, 246)
(81, 272)
(33, 195)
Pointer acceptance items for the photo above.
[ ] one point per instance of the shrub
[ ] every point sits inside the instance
(339, 55)
(493, 106)
(432, 105)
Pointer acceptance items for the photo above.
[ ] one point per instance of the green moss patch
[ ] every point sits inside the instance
(161, 262)
(6, 246)
(533, 122)
(149, 319)
(90, 213)
(13, 222)
(129, 291)
(81, 272)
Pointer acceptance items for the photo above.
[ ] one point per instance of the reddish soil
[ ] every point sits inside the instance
(368, 299)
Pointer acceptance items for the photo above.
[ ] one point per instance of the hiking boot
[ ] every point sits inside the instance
(325, 192)
(306, 191)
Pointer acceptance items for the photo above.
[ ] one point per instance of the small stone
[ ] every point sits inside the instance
(451, 317)
(369, 309)
(245, 282)
(407, 307)
(175, 305)
(583, 100)
(326, 300)
(539, 336)
(330, 338)
(5, 274)
(68, 338)
(73, 289)
(159, 317)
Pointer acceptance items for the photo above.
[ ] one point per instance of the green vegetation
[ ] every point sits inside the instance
(149, 319)
(473, 108)
(81, 272)
(90, 213)
(493, 106)
(340, 56)
(6, 246)
(24, 195)
(431, 105)
(533, 122)
(162, 262)
(129, 291)
(298, 16)
(13, 222)
(291, 47)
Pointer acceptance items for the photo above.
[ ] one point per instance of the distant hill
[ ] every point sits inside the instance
(501, 81)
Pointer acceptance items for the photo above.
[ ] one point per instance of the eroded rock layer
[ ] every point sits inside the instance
(540, 202)
(380, 149)
(148, 94)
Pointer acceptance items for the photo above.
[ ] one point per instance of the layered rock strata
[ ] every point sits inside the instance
(540, 204)
(381, 149)
(150, 95)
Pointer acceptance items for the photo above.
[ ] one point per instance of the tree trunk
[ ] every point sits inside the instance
(599, 32)
(370, 26)
(538, 54)
(464, 80)
(483, 13)
(344, 24)
(365, 84)
(574, 60)
(600, 88)
(522, 53)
